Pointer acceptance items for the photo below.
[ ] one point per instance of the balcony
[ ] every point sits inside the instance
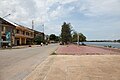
(23, 36)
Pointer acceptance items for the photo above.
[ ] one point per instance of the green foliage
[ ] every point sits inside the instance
(118, 40)
(54, 37)
(82, 37)
(75, 37)
(38, 39)
(66, 33)
(57, 38)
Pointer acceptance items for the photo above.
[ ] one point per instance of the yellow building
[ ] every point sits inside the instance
(14, 34)
(23, 35)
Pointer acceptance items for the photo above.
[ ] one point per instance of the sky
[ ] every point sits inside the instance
(96, 19)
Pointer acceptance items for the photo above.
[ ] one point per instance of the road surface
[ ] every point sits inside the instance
(15, 64)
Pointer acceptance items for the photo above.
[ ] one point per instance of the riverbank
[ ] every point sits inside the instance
(104, 44)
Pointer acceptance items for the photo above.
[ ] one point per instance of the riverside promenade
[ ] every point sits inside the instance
(79, 63)
(86, 50)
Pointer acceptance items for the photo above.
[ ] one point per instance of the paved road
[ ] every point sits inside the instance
(15, 64)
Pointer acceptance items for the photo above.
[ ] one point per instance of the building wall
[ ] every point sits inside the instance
(20, 35)
(23, 35)
(6, 27)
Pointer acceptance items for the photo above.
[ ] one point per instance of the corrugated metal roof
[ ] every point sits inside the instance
(10, 22)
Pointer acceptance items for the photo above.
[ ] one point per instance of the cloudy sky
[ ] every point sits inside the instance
(97, 19)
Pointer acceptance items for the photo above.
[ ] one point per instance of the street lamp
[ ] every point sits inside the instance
(6, 15)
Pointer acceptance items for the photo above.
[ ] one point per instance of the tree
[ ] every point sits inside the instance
(118, 40)
(75, 37)
(38, 39)
(66, 33)
(57, 38)
(52, 37)
(81, 37)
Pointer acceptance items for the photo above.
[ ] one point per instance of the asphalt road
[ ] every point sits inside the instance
(15, 64)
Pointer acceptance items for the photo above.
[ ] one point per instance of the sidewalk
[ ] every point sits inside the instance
(85, 50)
(93, 64)
(61, 67)
(20, 47)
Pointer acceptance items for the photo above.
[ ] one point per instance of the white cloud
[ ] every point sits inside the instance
(100, 7)
(33, 9)
(46, 11)
(23, 10)
(67, 1)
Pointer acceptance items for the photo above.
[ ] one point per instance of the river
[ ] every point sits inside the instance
(112, 44)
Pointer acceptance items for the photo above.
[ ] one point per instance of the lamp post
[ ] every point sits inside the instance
(6, 16)
(43, 33)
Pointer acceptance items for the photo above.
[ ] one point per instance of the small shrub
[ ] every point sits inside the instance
(53, 53)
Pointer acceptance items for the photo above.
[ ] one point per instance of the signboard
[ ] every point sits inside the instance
(8, 36)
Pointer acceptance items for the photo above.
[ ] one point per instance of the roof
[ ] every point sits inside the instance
(10, 22)
(15, 24)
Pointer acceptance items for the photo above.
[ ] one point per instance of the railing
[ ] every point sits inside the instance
(21, 35)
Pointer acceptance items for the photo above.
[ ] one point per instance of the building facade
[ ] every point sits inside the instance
(23, 35)
(13, 34)
(7, 33)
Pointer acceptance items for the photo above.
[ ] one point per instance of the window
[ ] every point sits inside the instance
(31, 34)
(27, 33)
(17, 31)
(23, 32)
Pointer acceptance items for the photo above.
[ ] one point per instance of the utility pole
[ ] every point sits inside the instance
(32, 24)
(43, 28)
(43, 32)
(0, 33)
(78, 38)
(32, 40)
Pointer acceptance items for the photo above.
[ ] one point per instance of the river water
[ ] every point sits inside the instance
(112, 44)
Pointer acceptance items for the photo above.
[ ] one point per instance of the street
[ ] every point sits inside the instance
(15, 64)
